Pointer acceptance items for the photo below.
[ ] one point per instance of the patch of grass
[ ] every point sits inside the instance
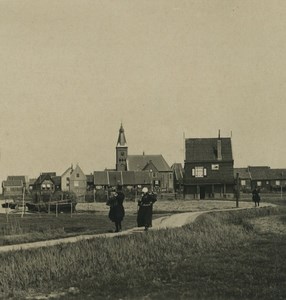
(39, 227)
(217, 257)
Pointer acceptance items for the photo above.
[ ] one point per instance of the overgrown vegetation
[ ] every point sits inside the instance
(220, 256)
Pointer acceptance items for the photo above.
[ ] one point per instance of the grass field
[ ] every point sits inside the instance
(90, 218)
(37, 227)
(223, 255)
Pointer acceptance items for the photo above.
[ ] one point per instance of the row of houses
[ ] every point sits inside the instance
(131, 171)
(263, 177)
(208, 173)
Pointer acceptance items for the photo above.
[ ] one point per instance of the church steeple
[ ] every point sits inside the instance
(121, 151)
(121, 138)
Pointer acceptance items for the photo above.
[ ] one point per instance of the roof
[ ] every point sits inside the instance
(101, 178)
(114, 178)
(243, 173)
(49, 173)
(20, 177)
(178, 171)
(266, 173)
(42, 177)
(205, 149)
(259, 173)
(67, 171)
(121, 142)
(138, 162)
(17, 183)
(32, 180)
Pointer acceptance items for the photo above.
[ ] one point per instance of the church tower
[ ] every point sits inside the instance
(121, 151)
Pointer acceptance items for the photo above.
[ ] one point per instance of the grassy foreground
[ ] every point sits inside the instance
(220, 256)
(40, 227)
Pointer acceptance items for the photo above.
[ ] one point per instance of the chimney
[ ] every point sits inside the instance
(219, 156)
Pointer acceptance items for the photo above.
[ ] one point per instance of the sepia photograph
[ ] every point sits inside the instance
(142, 149)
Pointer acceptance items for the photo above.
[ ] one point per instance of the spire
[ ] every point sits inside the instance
(121, 137)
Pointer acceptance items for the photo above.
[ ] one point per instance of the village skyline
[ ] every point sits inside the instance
(72, 71)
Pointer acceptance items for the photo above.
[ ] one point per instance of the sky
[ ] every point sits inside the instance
(72, 71)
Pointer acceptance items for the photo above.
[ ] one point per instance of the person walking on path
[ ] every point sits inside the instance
(116, 210)
(144, 217)
(256, 197)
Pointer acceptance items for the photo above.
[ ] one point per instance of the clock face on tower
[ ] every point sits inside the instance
(122, 153)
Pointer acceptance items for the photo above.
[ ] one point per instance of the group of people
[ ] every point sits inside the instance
(145, 204)
(145, 208)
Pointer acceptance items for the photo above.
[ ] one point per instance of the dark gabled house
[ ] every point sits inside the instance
(45, 183)
(208, 168)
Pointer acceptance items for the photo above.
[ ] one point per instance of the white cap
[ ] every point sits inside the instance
(145, 190)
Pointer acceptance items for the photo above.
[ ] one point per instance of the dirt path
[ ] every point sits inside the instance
(175, 220)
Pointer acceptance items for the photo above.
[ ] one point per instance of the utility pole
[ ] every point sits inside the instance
(23, 203)
(281, 185)
(237, 190)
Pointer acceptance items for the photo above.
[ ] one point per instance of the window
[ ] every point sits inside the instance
(243, 182)
(76, 183)
(77, 175)
(43, 186)
(171, 176)
(258, 183)
(215, 167)
(277, 182)
(199, 172)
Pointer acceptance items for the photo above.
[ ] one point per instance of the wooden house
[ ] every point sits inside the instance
(208, 168)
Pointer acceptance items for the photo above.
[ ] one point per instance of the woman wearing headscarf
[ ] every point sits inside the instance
(144, 217)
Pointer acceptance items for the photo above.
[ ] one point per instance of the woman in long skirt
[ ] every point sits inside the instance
(144, 217)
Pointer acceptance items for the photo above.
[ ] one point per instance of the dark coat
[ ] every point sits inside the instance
(116, 211)
(255, 196)
(144, 217)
